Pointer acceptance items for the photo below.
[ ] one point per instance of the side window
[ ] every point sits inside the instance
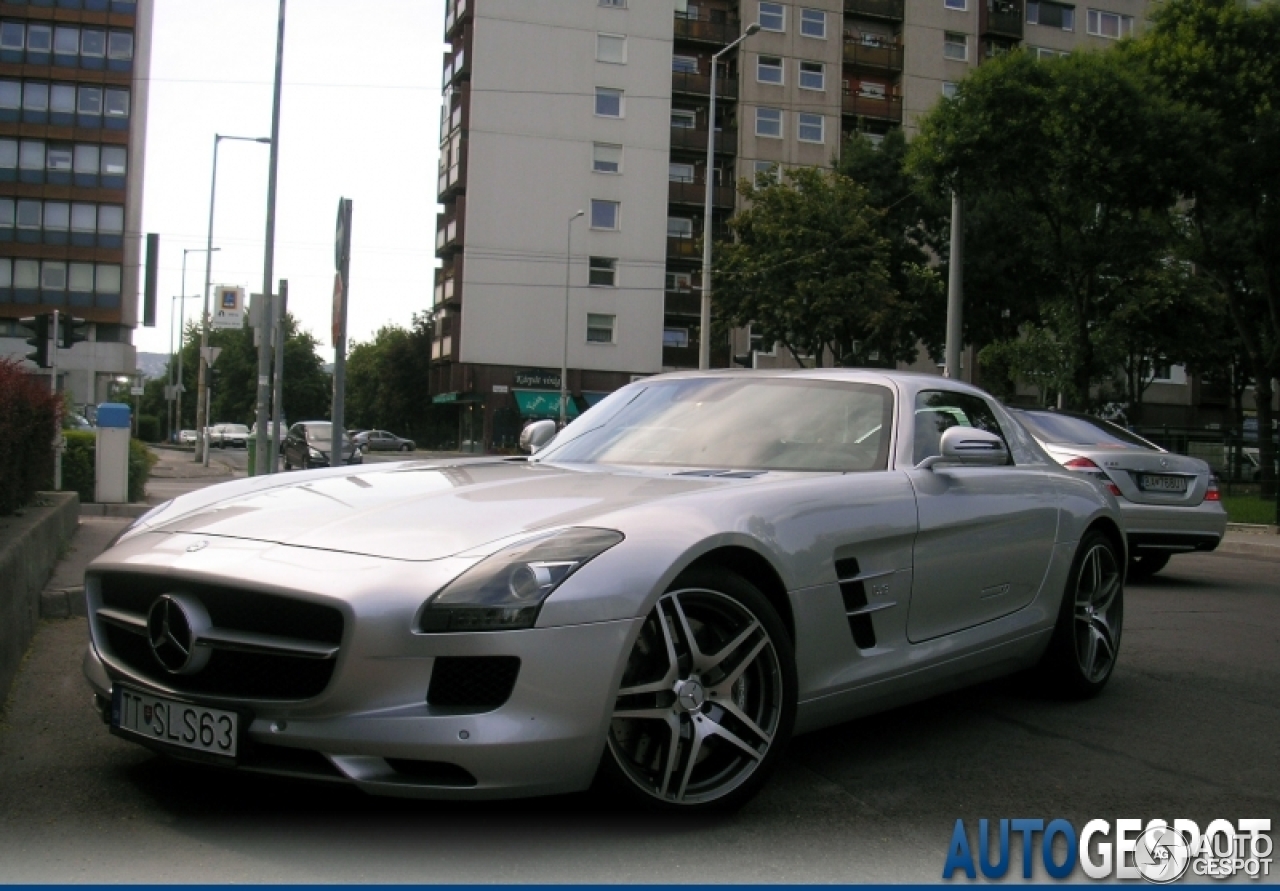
(939, 410)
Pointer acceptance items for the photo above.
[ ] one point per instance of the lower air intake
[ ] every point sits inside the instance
(479, 682)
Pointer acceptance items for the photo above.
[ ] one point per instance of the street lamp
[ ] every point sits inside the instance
(564, 357)
(202, 394)
(182, 331)
(704, 338)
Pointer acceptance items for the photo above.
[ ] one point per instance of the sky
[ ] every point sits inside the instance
(360, 119)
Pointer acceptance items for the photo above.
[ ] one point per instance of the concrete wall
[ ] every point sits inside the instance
(30, 550)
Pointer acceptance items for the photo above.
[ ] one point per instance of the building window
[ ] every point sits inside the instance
(685, 64)
(606, 158)
(675, 337)
(869, 89)
(616, 4)
(955, 46)
(813, 23)
(679, 227)
(1051, 15)
(949, 89)
(12, 39)
(600, 327)
(29, 213)
(769, 122)
(611, 48)
(767, 172)
(89, 101)
(604, 214)
(773, 17)
(66, 42)
(811, 127)
(115, 160)
(1044, 53)
(608, 102)
(680, 173)
(117, 103)
(683, 119)
(120, 46)
(679, 281)
(39, 39)
(53, 276)
(813, 76)
(93, 44)
(603, 272)
(1110, 24)
(957, 5)
(769, 69)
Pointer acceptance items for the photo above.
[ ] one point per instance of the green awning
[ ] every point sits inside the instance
(543, 404)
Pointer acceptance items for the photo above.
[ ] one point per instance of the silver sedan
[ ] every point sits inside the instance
(1170, 503)
(656, 600)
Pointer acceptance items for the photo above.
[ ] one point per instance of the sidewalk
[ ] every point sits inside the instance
(63, 594)
(1251, 544)
(178, 465)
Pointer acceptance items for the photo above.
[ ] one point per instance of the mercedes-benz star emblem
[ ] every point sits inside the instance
(175, 624)
(198, 546)
(691, 695)
(1164, 462)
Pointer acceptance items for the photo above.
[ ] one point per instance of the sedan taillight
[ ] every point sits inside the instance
(1084, 465)
(1212, 493)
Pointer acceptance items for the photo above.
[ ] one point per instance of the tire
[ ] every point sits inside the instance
(406, 448)
(287, 465)
(1086, 639)
(708, 698)
(1144, 566)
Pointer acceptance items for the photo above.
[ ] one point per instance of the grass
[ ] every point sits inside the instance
(1249, 509)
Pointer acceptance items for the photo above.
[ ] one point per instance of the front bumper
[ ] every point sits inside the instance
(373, 727)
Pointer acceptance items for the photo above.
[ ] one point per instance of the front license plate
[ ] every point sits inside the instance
(1152, 482)
(175, 723)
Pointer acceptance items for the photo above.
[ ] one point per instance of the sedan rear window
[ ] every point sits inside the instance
(1065, 428)
(741, 423)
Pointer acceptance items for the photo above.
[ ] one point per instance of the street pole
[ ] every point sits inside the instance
(564, 356)
(340, 331)
(279, 307)
(173, 361)
(202, 406)
(264, 344)
(955, 290)
(53, 388)
(182, 326)
(704, 334)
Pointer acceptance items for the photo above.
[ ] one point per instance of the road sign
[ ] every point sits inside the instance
(228, 307)
(210, 354)
(137, 391)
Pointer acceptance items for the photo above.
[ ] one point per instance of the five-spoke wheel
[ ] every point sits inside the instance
(707, 698)
(1086, 639)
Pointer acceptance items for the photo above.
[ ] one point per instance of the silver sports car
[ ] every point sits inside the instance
(1170, 503)
(694, 570)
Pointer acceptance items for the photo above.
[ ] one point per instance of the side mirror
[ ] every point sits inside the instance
(968, 446)
(536, 435)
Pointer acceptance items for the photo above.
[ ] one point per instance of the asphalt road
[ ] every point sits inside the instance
(1187, 729)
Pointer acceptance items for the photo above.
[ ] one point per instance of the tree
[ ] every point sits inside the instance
(385, 378)
(1072, 166)
(1219, 58)
(811, 270)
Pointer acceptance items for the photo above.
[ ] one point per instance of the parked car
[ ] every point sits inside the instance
(1252, 464)
(1171, 504)
(234, 435)
(187, 437)
(697, 567)
(382, 441)
(73, 421)
(284, 433)
(310, 443)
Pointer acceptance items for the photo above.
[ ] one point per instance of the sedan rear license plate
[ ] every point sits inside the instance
(1152, 482)
(174, 723)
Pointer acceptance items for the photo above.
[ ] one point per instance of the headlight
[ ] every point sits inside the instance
(505, 590)
(315, 453)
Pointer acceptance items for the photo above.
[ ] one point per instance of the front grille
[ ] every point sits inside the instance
(228, 673)
(482, 682)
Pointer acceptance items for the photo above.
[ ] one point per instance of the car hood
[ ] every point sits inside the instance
(417, 511)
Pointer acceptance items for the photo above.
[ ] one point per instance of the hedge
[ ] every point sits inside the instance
(148, 428)
(78, 468)
(30, 417)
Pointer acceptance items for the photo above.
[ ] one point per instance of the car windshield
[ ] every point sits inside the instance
(322, 433)
(1062, 428)
(236, 428)
(742, 423)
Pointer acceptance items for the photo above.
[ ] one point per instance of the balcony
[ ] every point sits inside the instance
(696, 140)
(694, 84)
(700, 28)
(696, 193)
(453, 178)
(687, 302)
(680, 357)
(449, 284)
(876, 107)
(863, 52)
(1002, 18)
(442, 348)
(875, 9)
(450, 233)
(684, 248)
(458, 65)
(456, 114)
(458, 13)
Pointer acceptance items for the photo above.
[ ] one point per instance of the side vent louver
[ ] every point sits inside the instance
(857, 606)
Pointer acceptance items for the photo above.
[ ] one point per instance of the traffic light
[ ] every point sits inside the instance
(71, 332)
(38, 326)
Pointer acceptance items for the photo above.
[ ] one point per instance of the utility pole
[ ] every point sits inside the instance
(955, 290)
(341, 294)
(264, 345)
(279, 307)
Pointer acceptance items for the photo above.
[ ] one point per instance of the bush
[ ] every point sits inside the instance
(79, 468)
(30, 417)
(148, 428)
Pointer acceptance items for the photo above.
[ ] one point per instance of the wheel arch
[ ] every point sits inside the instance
(757, 570)
(1111, 530)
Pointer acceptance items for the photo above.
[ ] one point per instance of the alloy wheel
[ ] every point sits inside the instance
(701, 700)
(1098, 612)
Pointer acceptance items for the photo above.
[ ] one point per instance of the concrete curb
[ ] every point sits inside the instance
(127, 511)
(1253, 528)
(1244, 544)
(62, 603)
